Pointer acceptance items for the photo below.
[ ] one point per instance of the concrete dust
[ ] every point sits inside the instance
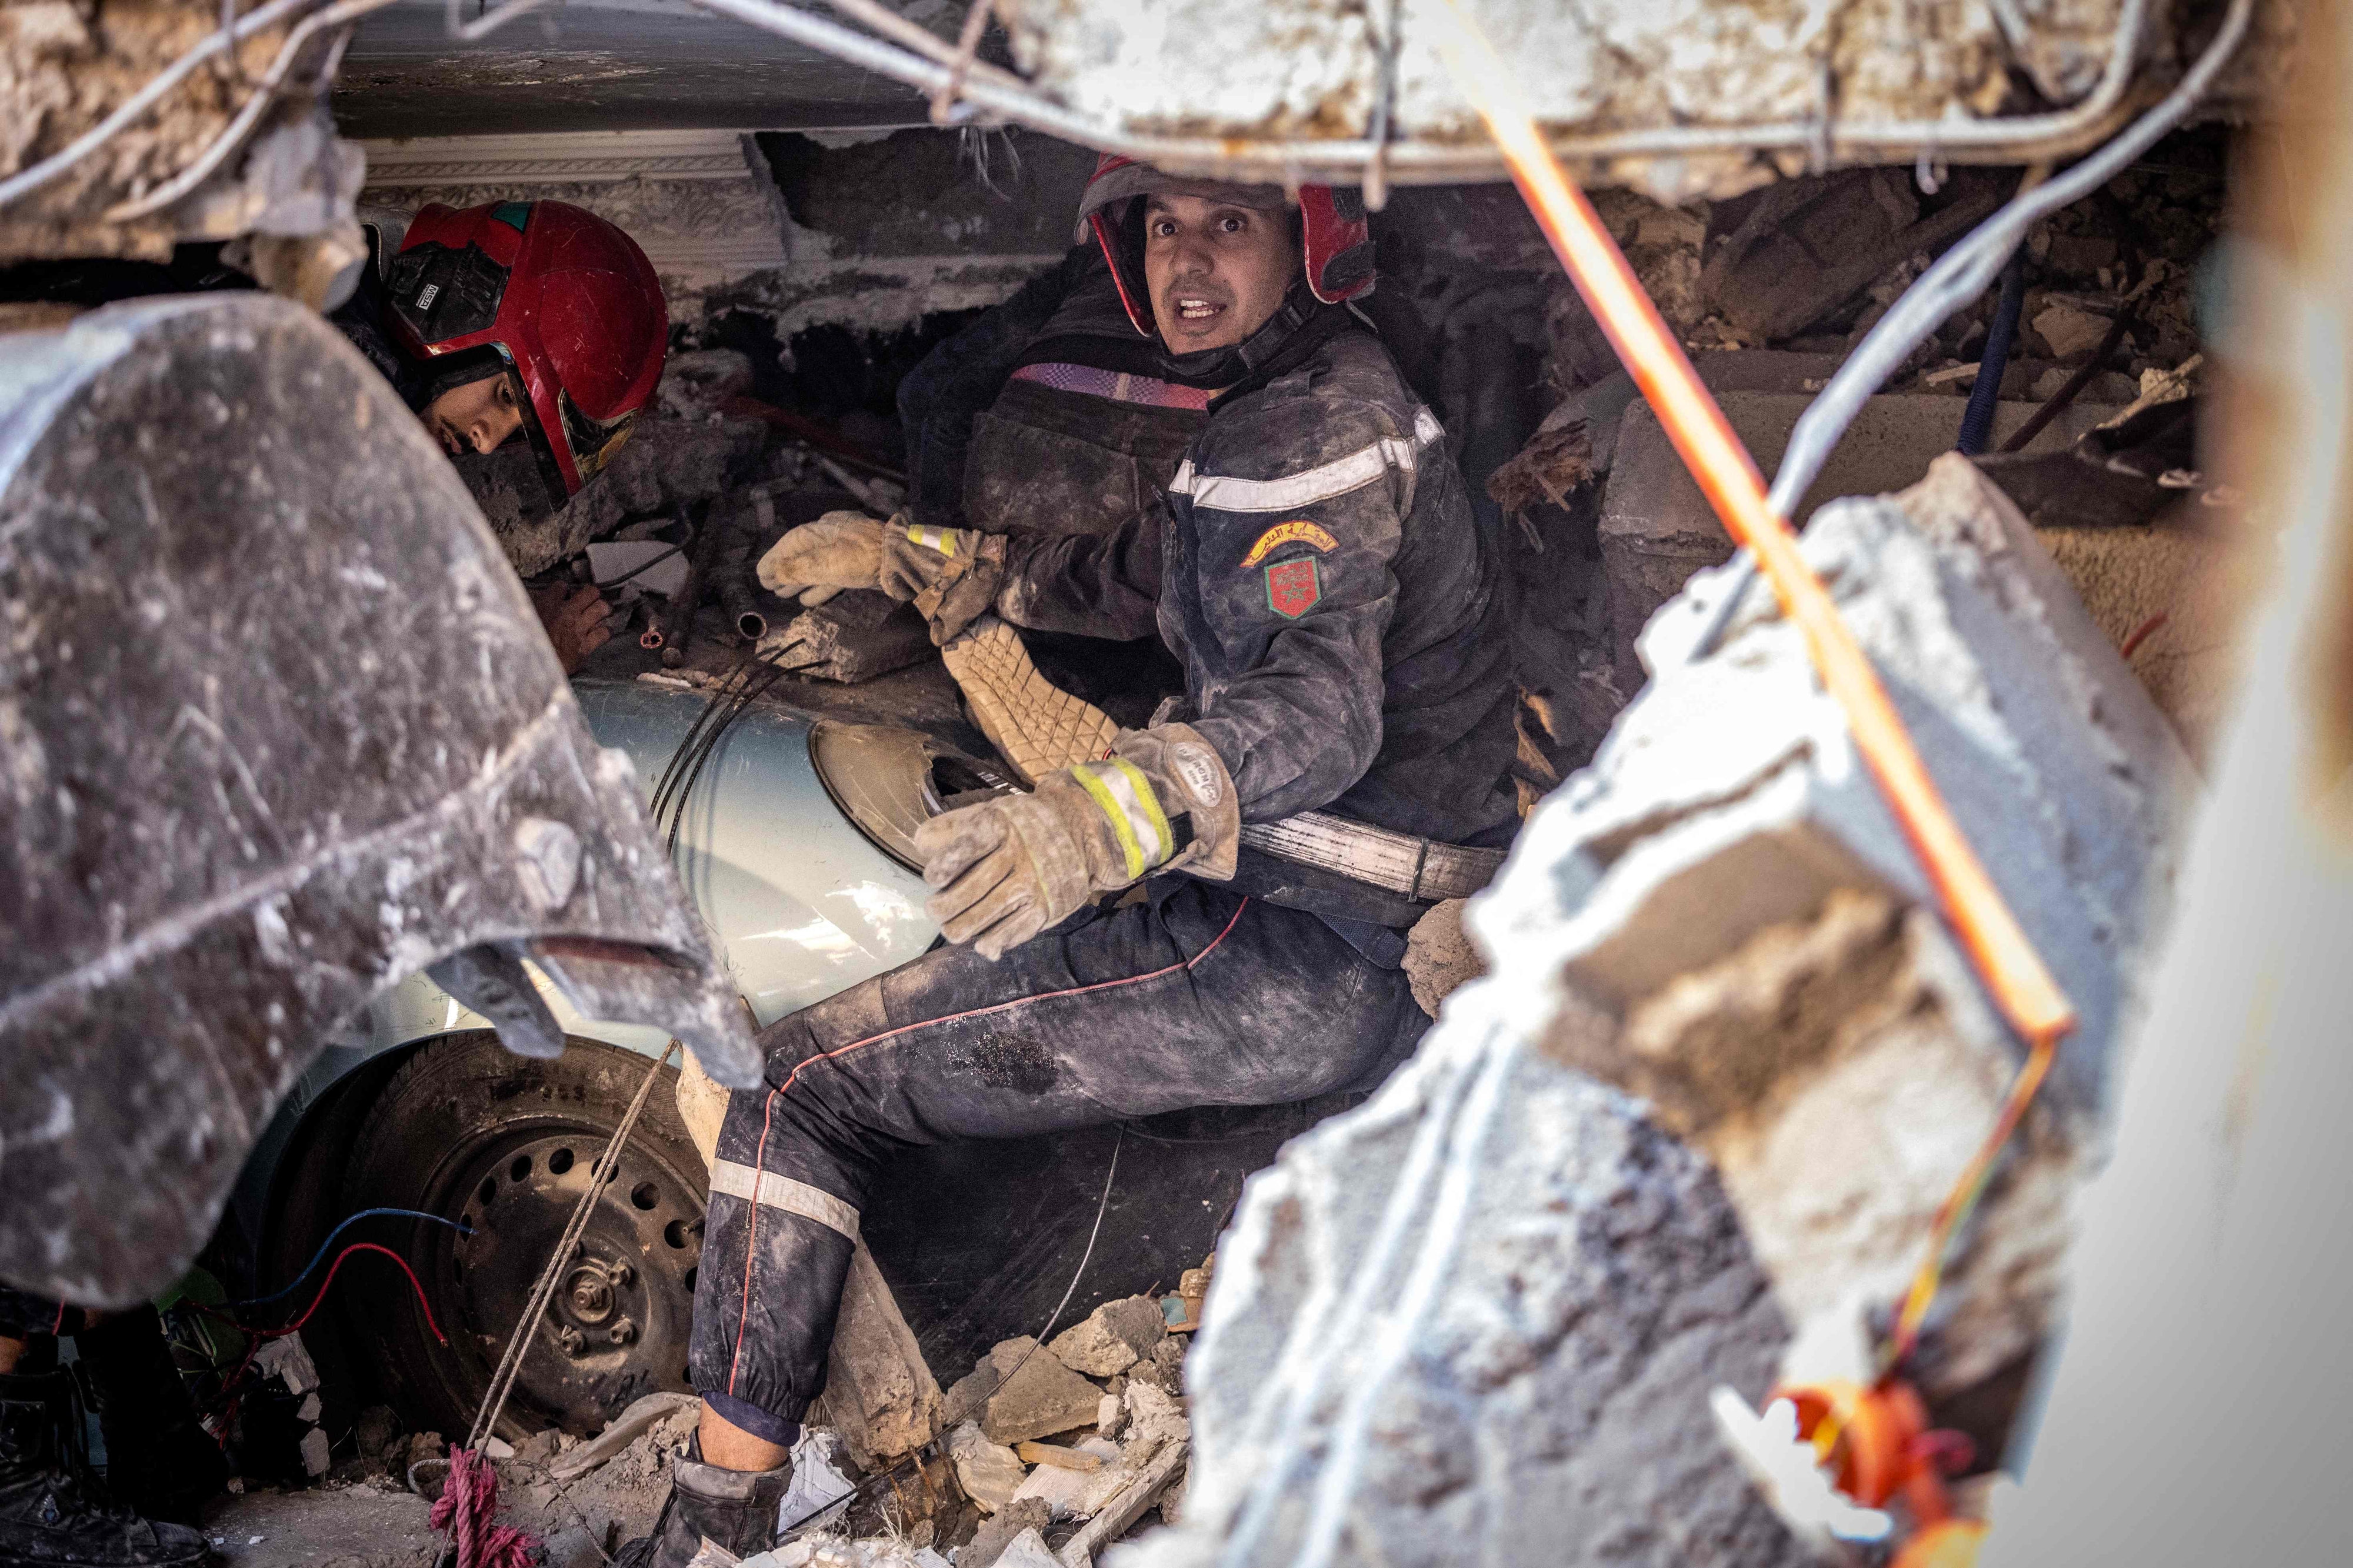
(365, 1524)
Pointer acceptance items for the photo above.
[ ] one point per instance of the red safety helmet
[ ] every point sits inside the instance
(1335, 242)
(566, 299)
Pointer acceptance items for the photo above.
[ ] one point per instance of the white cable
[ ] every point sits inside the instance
(1335, 1488)
(1283, 1417)
(264, 95)
(1961, 274)
(923, 62)
(26, 180)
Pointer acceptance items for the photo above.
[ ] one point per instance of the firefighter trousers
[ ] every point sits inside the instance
(1193, 996)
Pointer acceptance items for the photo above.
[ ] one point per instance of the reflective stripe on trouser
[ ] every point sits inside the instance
(1194, 997)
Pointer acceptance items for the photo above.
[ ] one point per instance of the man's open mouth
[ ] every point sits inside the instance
(1196, 308)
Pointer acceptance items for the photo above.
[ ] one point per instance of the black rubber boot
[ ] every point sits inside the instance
(160, 1464)
(737, 1508)
(53, 1511)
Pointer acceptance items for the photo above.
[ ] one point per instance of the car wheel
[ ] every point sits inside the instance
(505, 1144)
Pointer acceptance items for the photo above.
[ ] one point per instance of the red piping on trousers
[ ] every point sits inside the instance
(760, 1159)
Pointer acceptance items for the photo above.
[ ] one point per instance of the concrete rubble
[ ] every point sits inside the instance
(1768, 291)
(1481, 1316)
(1312, 69)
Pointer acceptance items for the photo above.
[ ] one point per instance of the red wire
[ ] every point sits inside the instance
(2142, 635)
(422, 1304)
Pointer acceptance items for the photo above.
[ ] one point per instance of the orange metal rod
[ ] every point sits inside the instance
(2003, 956)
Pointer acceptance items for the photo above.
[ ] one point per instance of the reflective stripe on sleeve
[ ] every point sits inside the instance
(1309, 485)
(782, 1193)
(1126, 797)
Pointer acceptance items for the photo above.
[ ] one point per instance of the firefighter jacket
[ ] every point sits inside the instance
(1343, 627)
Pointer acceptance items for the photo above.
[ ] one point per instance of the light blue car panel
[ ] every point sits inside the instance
(799, 904)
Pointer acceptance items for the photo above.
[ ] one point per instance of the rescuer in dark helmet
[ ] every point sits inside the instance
(1313, 566)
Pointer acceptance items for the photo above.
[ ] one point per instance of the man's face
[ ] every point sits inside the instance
(1216, 269)
(476, 416)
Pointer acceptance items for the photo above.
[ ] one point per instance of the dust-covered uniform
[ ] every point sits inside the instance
(1316, 569)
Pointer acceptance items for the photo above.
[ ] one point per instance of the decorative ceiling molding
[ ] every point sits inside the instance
(705, 212)
(577, 158)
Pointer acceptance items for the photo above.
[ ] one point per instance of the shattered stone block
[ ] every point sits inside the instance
(1763, 953)
(1113, 1336)
(1043, 1397)
(1657, 529)
(1478, 1318)
(998, 1531)
(1440, 958)
(878, 1391)
(989, 1473)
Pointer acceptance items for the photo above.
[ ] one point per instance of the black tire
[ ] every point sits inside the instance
(505, 1144)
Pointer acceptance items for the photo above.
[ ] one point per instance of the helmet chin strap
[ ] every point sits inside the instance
(1231, 366)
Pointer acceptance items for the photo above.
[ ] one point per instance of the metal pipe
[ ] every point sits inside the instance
(678, 623)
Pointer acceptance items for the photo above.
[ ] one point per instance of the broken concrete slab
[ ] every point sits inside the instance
(1079, 1494)
(1758, 937)
(1154, 1417)
(880, 1393)
(1043, 1397)
(989, 1472)
(1657, 529)
(1564, 1311)
(1028, 1550)
(998, 1531)
(1112, 1337)
(1502, 1245)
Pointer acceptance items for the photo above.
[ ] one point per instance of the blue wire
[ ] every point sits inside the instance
(1977, 420)
(348, 1224)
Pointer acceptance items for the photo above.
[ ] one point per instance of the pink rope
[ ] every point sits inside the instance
(470, 1498)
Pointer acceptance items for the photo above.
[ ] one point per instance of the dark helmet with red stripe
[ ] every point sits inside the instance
(563, 297)
(1335, 242)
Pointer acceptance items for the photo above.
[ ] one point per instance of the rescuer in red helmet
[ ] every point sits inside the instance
(536, 321)
(1333, 763)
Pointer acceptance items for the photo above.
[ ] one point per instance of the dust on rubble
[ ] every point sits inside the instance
(1084, 1439)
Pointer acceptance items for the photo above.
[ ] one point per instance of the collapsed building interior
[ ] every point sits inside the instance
(1717, 1060)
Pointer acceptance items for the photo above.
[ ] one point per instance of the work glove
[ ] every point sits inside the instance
(1008, 868)
(950, 574)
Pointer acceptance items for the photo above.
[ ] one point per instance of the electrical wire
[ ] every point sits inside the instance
(1961, 274)
(648, 565)
(460, 1227)
(264, 95)
(414, 1284)
(1110, 1176)
(1977, 418)
(927, 64)
(26, 180)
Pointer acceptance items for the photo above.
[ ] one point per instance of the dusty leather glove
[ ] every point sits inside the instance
(1008, 868)
(815, 561)
(935, 568)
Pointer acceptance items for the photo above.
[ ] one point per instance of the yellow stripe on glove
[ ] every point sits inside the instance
(1127, 798)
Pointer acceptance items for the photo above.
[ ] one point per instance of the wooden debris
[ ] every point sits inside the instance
(1034, 1453)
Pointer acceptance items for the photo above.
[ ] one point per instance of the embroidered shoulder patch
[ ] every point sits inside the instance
(1292, 587)
(1282, 534)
